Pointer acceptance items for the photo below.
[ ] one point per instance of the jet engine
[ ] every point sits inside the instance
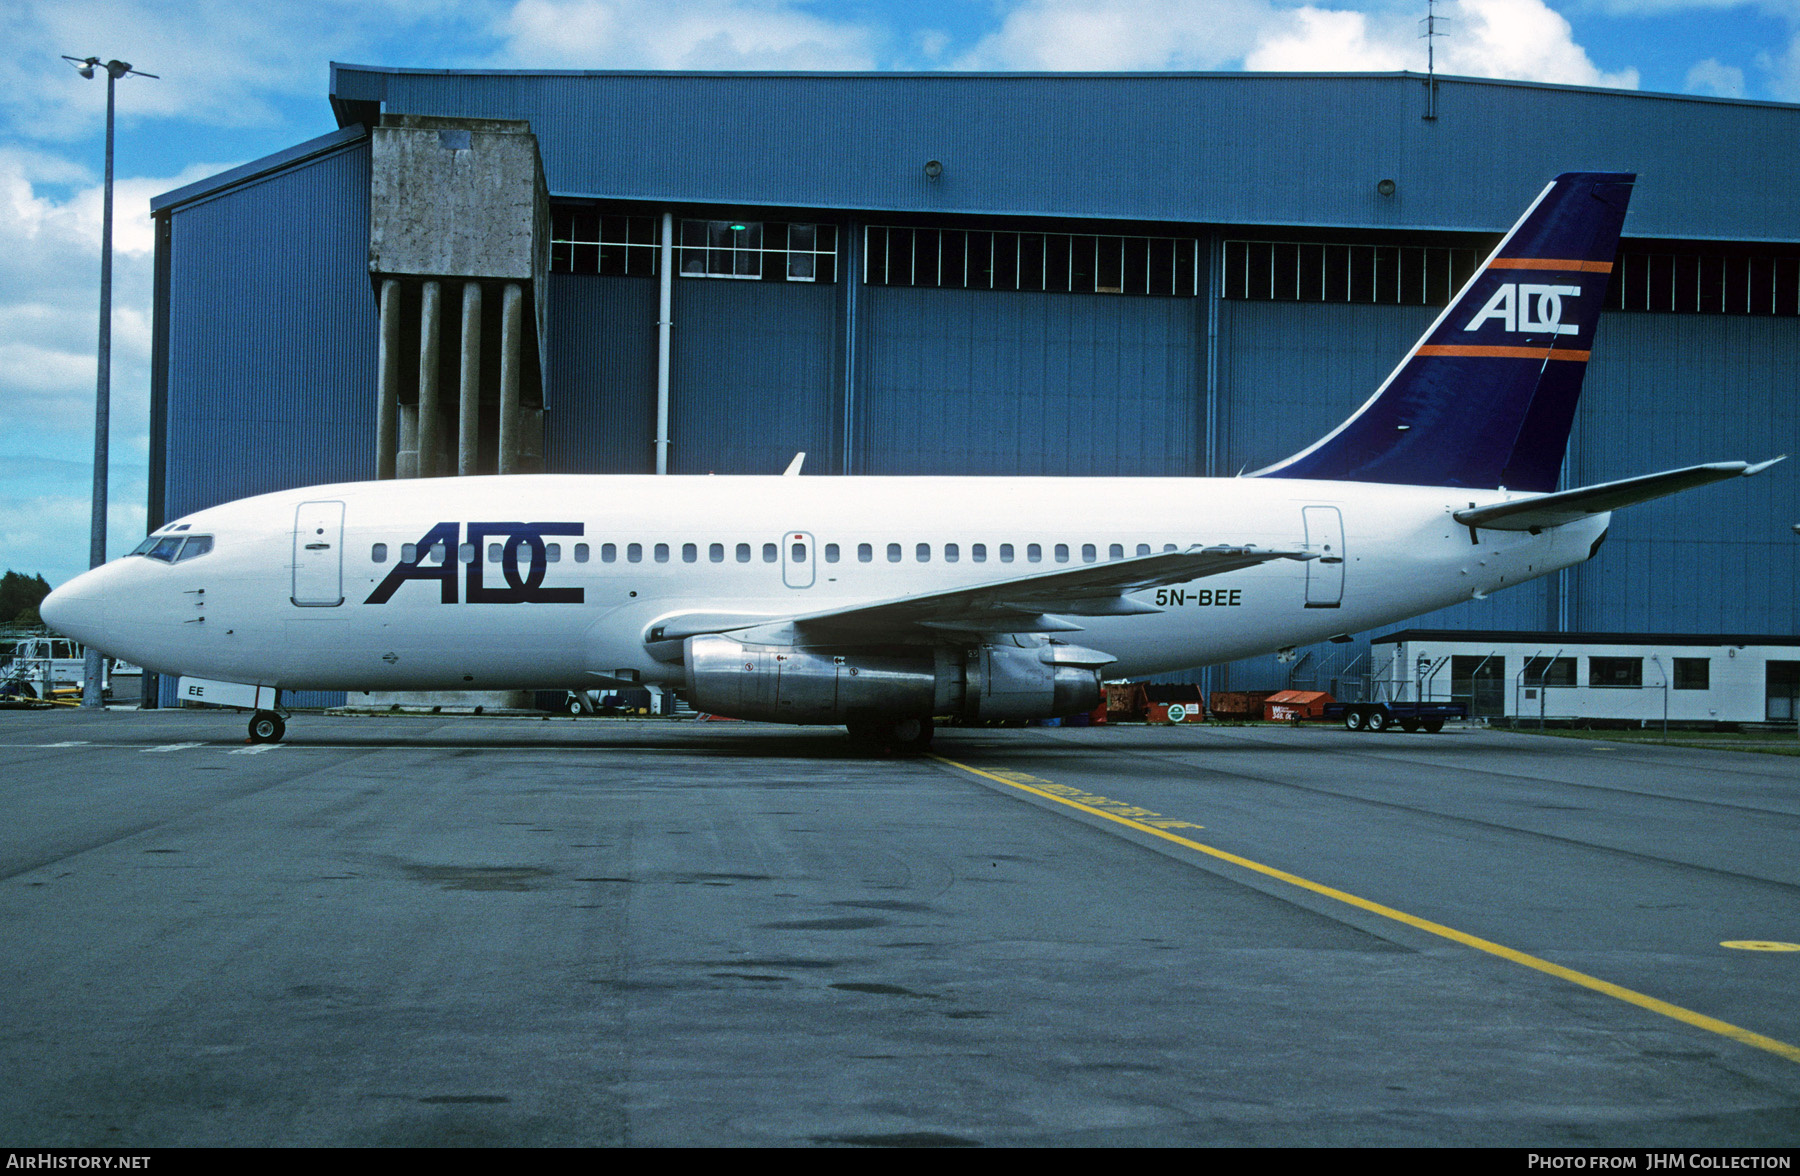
(1028, 679)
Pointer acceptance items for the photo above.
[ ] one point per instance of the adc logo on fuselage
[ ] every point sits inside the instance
(1524, 307)
(524, 561)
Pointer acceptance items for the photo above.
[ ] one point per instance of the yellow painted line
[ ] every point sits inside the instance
(1686, 1016)
(1760, 945)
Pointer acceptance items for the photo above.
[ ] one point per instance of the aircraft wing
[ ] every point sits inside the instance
(1037, 603)
(1567, 506)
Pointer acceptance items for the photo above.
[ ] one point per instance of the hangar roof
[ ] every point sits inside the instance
(1218, 148)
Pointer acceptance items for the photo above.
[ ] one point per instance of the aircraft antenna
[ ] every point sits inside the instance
(1431, 29)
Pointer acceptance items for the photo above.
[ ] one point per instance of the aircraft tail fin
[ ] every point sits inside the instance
(1486, 397)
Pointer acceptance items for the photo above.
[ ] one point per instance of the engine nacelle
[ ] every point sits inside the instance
(834, 684)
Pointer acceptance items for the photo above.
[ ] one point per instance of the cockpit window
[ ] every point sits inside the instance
(165, 548)
(174, 548)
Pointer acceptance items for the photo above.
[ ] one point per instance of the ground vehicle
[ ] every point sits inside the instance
(1384, 716)
(39, 666)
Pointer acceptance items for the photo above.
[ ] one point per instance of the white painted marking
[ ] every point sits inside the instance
(65, 743)
(173, 747)
(255, 749)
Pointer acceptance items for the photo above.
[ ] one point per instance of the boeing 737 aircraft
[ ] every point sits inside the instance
(883, 602)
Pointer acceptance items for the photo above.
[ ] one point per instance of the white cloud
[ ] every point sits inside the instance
(1711, 77)
(682, 34)
(1123, 35)
(1525, 40)
(1783, 71)
(1326, 40)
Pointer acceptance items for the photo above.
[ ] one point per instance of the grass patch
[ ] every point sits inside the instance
(1762, 742)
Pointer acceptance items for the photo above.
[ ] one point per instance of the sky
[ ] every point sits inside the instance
(237, 81)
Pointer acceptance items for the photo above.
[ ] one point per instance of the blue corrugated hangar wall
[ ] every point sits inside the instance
(266, 319)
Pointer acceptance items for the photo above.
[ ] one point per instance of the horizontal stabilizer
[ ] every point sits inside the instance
(1568, 506)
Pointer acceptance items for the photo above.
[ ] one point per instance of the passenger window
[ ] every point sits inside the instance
(893, 553)
(662, 553)
(494, 550)
(581, 553)
(1170, 547)
(743, 553)
(609, 553)
(552, 553)
(409, 553)
(1143, 549)
(831, 553)
(439, 551)
(378, 553)
(689, 553)
(978, 552)
(865, 553)
(465, 553)
(798, 552)
(1088, 554)
(770, 553)
(1116, 551)
(922, 553)
(1006, 553)
(951, 553)
(716, 553)
(1062, 553)
(634, 553)
(1034, 553)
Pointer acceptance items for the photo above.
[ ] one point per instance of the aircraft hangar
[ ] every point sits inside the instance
(1047, 274)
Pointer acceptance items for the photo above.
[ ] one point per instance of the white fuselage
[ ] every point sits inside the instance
(813, 544)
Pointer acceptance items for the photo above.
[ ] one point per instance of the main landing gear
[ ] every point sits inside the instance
(267, 727)
(904, 736)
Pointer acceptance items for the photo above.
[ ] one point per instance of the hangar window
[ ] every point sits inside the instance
(1317, 271)
(1058, 263)
(1615, 671)
(1693, 673)
(762, 251)
(583, 241)
(1550, 671)
(1706, 278)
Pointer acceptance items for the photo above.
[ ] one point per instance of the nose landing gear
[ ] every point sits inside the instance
(267, 727)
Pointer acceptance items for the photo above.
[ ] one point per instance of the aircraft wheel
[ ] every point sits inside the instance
(574, 705)
(1409, 725)
(1433, 726)
(911, 736)
(1353, 719)
(267, 727)
(1377, 721)
(908, 736)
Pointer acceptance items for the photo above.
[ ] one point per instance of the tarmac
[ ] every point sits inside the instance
(427, 930)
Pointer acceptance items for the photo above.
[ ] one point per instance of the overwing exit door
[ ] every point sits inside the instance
(797, 557)
(319, 554)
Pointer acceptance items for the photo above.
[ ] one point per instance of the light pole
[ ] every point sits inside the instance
(91, 675)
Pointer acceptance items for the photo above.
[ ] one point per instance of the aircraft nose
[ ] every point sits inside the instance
(77, 609)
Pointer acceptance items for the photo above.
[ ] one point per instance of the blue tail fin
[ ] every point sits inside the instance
(1486, 398)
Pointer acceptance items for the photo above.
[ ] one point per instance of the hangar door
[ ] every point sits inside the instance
(1019, 353)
